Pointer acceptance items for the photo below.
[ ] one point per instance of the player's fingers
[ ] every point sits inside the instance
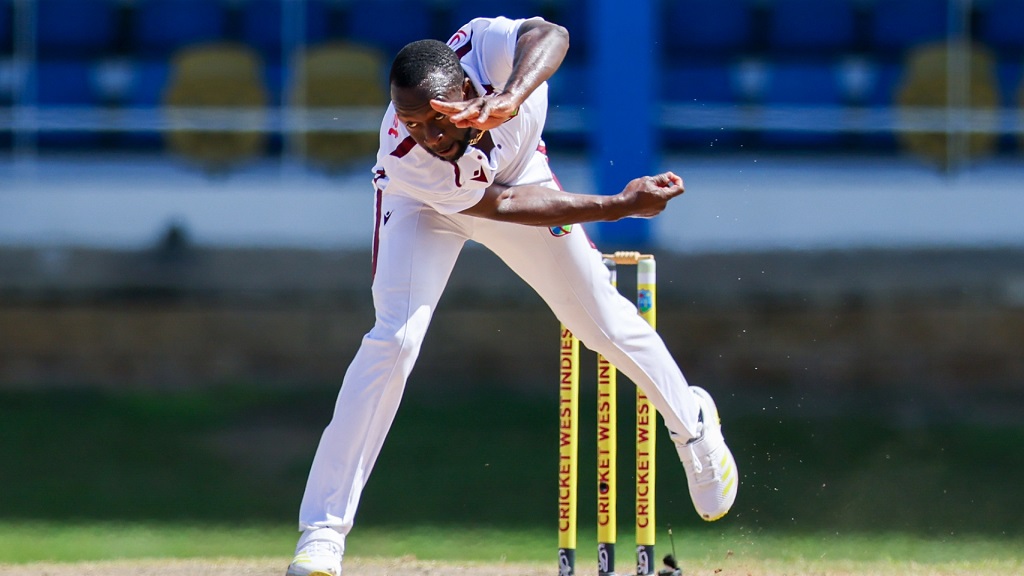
(448, 108)
(485, 111)
(470, 112)
(666, 179)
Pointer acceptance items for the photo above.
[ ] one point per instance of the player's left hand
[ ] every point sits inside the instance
(482, 113)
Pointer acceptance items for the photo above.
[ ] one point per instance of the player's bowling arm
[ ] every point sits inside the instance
(541, 206)
(540, 49)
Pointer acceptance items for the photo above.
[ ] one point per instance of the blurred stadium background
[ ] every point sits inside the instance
(185, 206)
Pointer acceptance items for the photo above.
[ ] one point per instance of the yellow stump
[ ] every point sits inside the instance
(646, 419)
(607, 457)
(568, 450)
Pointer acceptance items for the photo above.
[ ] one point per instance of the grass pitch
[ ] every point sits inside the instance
(180, 484)
(169, 550)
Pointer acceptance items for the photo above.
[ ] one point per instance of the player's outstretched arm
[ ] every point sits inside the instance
(541, 206)
(540, 48)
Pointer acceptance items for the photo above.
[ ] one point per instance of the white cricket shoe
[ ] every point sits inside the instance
(318, 553)
(710, 468)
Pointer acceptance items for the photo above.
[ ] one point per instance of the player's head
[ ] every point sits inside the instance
(422, 71)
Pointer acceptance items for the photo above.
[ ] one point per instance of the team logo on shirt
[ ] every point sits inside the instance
(558, 231)
(458, 38)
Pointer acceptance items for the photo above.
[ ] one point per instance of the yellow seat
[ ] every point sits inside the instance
(333, 76)
(925, 85)
(216, 104)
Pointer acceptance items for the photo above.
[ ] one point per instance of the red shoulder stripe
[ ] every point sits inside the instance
(465, 48)
(403, 148)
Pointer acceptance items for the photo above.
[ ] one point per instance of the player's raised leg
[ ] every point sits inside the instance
(568, 273)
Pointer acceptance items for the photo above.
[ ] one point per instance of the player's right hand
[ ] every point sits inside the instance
(647, 197)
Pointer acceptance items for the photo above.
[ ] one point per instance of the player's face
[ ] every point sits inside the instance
(428, 127)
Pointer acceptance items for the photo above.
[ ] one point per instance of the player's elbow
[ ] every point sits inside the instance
(547, 30)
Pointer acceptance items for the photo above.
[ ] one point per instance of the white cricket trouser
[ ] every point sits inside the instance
(416, 253)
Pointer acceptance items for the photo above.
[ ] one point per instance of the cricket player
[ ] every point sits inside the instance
(461, 158)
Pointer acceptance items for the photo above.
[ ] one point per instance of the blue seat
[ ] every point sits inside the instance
(66, 84)
(6, 27)
(149, 80)
(824, 26)
(693, 28)
(700, 85)
(160, 27)
(462, 11)
(76, 28)
(1002, 26)
(574, 16)
(569, 86)
(884, 82)
(897, 25)
(262, 22)
(791, 85)
(881, 93)
(412, 22)
(1010, 75)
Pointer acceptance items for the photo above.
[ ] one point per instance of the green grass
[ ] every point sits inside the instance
(55, 542)
(221, 472)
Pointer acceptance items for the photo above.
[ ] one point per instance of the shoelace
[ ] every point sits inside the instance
(322, 547)
(697, 466)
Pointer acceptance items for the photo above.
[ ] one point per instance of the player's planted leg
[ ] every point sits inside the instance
(318, 553)
(710, 468)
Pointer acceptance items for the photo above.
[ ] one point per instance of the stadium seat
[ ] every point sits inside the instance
(335, 75)
(263, 22)
(573, 15)
(879, 93)
(6, 27)
(146, 89)
(821, 28)
(898, 25)
(68, 85)
(159, 27)
(76, 28)
(699, 28)
(462, 11)
(700, 85)
(925, 85)
(362, 24)
(65, 83)
(1002, 26)
(1011, 77)
(1020, 106)
(568, 90)
(793, 85)
(149, 80)
(217, 75)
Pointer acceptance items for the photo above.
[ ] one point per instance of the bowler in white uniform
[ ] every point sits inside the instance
(461, 158)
